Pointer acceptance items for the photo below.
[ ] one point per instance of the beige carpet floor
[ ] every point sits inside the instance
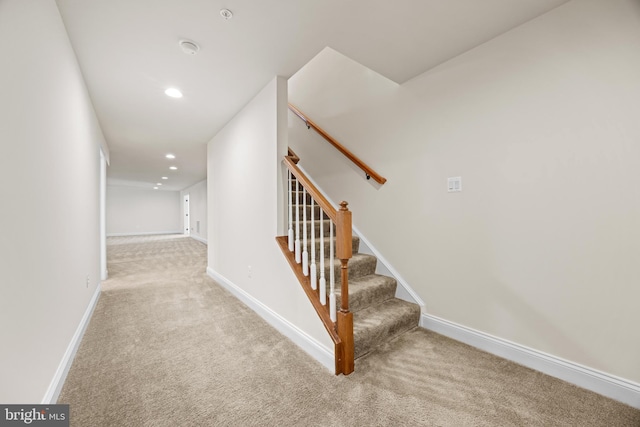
(167, 346)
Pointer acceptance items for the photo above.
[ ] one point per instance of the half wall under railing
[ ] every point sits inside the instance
(318, 234)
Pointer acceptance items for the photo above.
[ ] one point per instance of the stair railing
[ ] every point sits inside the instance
(369, 172)
(301, 253)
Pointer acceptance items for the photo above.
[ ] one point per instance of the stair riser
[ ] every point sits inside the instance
(356, 268)
(325, 230)
(363, 300)
(365, 341)
(295, 185)
(316, 213)
(299, 196)
(362, 296)
(354, 247)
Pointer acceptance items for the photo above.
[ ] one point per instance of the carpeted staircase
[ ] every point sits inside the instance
(378, 316)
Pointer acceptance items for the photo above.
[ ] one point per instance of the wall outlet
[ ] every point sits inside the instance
(88, 281)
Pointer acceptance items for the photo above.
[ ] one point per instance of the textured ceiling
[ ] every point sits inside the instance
(129, 54)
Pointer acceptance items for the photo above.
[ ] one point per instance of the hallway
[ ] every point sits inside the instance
(167, 346)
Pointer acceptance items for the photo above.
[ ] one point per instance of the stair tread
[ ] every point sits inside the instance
(376, 315)
(315, 229)
(371, 280)
(377, 324)
(355, 244)
(369, 290)
(308, 221)
(355, 259)
(359, 265)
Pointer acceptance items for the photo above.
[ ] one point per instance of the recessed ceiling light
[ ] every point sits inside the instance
(158, 183)
(155, 188)
(164, 177)
(226, 14)
(173, 168)
(173, 92)
(170, 156)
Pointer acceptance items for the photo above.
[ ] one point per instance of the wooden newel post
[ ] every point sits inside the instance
(344, 244)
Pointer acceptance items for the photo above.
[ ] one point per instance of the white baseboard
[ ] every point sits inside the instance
(286, 328)
(147, 233)
(199, 239)
(55, 387)
(620, 389)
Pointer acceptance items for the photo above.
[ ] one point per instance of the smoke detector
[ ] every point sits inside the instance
(189, 47)
(226, 14)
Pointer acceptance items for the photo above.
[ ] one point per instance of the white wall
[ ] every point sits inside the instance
(244, 179)
(541, 246)
(49, 182)
(197, 209)
(132, 211)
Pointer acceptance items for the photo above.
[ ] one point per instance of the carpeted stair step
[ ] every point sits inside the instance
(299, 196)
(379, 323)
(355, 243)
(316, 212)
(378, 315)
(368, 290)
(359, 265)
(325, 230)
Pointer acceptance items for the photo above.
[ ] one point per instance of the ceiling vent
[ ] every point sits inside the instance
(189, 47)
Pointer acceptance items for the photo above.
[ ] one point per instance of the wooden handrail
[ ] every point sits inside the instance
(293, 156)
(341, 331)
(370, 173)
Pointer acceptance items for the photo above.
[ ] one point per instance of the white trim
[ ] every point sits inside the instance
(608, 385)
(104, 273)
(199, 239)
(405, 291)
(286, 328)
(55, 387)
(149, 233)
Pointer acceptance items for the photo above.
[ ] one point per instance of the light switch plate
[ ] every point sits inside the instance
(454, 184)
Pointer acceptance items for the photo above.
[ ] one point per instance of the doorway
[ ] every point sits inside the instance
(187, 226)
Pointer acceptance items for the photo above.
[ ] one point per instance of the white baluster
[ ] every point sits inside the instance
(291, 243)
(312, 267)
(332, 278)
(323, 281)
(305, 253)
(297, 246)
